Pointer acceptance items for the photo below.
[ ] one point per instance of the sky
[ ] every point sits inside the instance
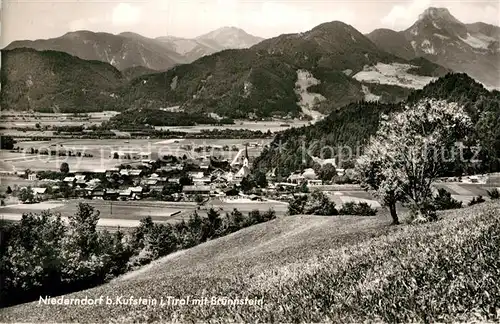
(35, 19)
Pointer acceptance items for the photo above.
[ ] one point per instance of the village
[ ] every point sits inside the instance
(192, 176)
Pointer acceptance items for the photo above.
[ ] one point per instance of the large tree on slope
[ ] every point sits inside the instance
(410, 150)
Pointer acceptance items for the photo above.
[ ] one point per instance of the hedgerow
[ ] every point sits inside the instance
(319, 204)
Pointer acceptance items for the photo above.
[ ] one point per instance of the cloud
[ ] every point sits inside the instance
(474, 13)
(402, 16)
(125, 14)
(280, 17)
(84, 23)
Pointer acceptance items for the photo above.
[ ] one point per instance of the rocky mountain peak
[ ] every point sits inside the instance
(231, 37)
(438, 14)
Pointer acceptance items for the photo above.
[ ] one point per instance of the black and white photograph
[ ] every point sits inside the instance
(250, 161)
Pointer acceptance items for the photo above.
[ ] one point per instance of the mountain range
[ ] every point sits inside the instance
(443, 39)
(293, 75)
(130, 50)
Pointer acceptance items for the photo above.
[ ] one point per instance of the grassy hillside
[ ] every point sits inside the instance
(317, 269)
(50, 81)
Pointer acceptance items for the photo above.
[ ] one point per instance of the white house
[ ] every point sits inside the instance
(243, 172)
(196, 175)
(145, 155)
(200, 181)
(309, 174)
(295, 178)
(39, 191)
(314, 182)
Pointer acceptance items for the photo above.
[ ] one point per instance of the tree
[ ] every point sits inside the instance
(318, 204)
(82, 254)
(31, 261)
(83, 227)
(6, 142)
(213, 224)
(327, 172)
(444, 201)
(27, 195)
(9, 190)
(260, 179)
(140, 232)
(66, 190)
(235, 220)
(247, 183)
(64, 168)
(296, 206)
(185, 180)
(409, 151)
(303, 188)
(199, 199)
(382, 183)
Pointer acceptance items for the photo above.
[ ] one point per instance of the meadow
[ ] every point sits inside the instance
(263, 126)
(316, 269)
(116, 210)
(11, 119)
(101, 151)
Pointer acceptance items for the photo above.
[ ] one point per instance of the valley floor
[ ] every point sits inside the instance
(313, 269)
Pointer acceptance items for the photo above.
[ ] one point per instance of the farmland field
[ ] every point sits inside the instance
(263, 126)
(129, 213)
(314, 269)
(117, 213)
(102, 150)
(246, 206)
(12, 119)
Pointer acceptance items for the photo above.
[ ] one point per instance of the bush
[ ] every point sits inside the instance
(444, 201)
(316, 203)
(476, 200)
(296, 206)
(360, 209)
(493, 194)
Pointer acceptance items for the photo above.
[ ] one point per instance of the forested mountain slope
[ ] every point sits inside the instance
(51, 81)
(347, 129)
(262, 81)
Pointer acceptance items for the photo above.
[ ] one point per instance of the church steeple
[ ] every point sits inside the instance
(245, 159)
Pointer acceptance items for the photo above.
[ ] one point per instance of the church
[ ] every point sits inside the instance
(245, 169)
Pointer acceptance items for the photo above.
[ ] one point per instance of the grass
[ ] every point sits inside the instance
(318, 269)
